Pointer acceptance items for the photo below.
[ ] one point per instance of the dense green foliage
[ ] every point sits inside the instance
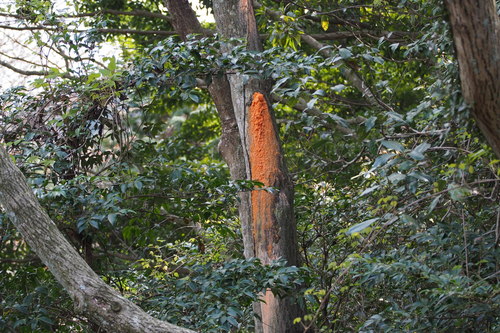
(397, 203)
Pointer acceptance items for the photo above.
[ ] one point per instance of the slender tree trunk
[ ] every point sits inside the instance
(271, 215)
(251, 148)
(476, 32)
(92, 296)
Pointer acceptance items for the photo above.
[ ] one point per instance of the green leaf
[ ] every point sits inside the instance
(361, 226)
(94, 223)
(458, 193)
(311, 103)
(395, 116)
(420, 176)
(280, 82)
(338, 88)
(396, 177)
(345, 53)
(369, 190)
(194, 97)
(233, 312)
(418, 152)
(394, 145)
(112, 64)
(370, 122)
(112, 218)
(319, 92)
(394, 46)
(46, 320)
(232, 321)
(433, 204)
(381, 160)
(405, 218)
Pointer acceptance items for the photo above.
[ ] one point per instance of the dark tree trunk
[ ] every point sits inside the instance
(92, 296)
(230, 143)
(476, 32)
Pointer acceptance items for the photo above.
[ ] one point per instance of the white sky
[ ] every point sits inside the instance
(13, 43)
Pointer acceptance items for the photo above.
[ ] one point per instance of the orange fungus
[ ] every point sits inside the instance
(264, 164)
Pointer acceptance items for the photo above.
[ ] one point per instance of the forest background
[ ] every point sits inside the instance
(380, 211)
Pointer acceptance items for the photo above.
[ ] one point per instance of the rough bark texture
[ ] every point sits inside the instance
(232, 151)
(272, 218)
(476, 32)
(183, 18)
(230, 145)
(92, 296)
(272, 213)
(267, 219)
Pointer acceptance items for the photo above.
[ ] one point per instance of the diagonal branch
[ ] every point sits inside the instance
(22, 71)
(99, 30)
(90, 294)
(30, 73)
(135, 12)
(353, 77)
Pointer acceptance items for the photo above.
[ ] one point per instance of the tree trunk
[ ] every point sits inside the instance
(476, 32)
(250, 146)
(92, 296)
(271, 215)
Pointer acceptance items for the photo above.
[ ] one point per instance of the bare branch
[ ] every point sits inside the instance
(22, 71)
(391, 36)
(100, 30)
(30, 73)
(346, 71)
(19, 59)
(135, 12)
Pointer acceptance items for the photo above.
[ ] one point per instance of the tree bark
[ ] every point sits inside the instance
(91, 296)
(271, 212)
(251, 148)
(476, 33)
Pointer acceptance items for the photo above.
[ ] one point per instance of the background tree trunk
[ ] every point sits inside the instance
(91, 296)
(230, 143)
(476, 32)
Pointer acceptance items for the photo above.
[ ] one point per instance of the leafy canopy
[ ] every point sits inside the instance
(396, 198)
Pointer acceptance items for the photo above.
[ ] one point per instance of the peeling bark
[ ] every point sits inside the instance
(91, 296)
(476, 33)
(272, 218)
(268, 223)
